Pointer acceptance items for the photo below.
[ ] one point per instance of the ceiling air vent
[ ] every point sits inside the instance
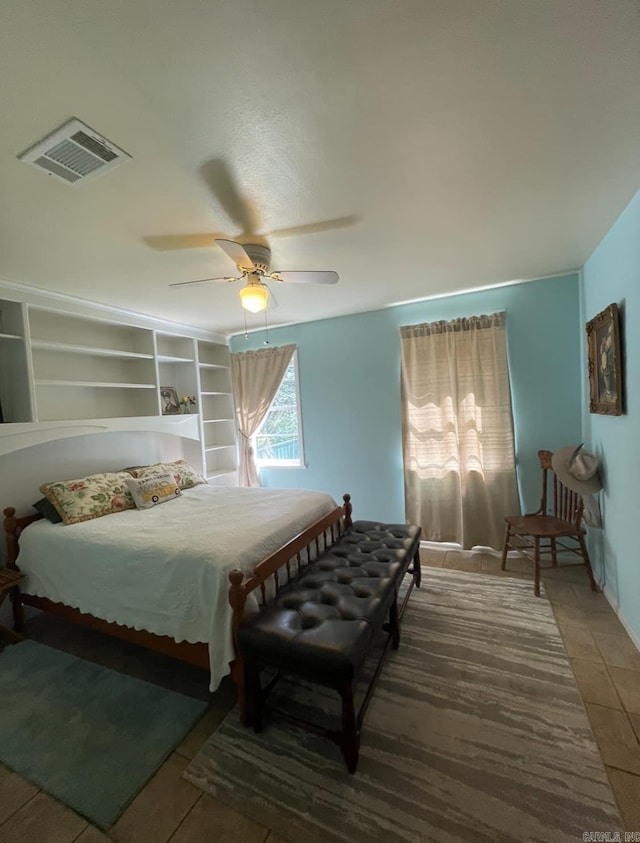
(74, 152)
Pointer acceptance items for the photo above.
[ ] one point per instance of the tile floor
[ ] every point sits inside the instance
(607, 670)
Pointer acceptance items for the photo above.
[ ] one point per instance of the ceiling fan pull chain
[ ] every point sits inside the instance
(266, 329)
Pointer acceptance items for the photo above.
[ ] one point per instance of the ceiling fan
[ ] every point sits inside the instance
(253, 261)
(252, 257)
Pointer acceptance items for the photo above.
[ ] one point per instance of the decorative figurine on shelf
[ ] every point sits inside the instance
(187, 401)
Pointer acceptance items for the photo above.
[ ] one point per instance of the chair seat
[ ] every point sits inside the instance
(541, 526)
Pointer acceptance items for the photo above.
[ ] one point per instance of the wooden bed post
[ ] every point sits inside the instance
(348, 508)
(10, 525)
(237, 599)
(12, 531)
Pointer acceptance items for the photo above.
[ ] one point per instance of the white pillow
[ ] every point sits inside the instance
(149, 491)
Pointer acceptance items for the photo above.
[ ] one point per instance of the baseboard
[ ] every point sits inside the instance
(430, 545)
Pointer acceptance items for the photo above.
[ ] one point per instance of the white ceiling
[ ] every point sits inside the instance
(459, 143)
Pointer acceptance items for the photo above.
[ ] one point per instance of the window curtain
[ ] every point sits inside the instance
(457, 427)
(256, 377)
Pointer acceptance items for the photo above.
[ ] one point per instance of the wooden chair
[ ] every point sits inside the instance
(558, 519)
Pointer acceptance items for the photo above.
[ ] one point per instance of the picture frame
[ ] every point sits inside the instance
(169, 401)
(604, 361)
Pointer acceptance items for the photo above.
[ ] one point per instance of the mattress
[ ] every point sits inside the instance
(165, 569)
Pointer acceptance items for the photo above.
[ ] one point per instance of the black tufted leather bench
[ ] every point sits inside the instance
(322, 624)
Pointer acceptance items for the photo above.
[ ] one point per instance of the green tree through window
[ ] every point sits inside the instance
(278, 441)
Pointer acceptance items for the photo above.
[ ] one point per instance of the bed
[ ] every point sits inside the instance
(160, 577)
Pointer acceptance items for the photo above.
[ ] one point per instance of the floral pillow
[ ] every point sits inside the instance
(90, 497)
(185, 476)
(149, 491)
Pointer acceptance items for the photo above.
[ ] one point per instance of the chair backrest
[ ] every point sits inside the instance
(556, 499)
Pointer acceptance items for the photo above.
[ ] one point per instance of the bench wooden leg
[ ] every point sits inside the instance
(238, 675)
(393, 627)
(350, 736)
(505, 547)
(254, 696)
(416, 569)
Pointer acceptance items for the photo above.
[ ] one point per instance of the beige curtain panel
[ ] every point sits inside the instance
(457, 426)
(256, 376)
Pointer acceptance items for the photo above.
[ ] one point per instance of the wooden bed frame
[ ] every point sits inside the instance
(297, 551)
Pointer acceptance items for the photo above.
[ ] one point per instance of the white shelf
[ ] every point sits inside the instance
(89, 350)
(95, 384)
(10, 337)
(215, 393)
(223, 473)
(212, 366)
(219, 447)
(165, 358)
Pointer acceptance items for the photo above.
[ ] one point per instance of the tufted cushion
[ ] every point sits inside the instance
(322, 623)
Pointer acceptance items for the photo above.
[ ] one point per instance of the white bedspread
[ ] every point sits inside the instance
(165, 569)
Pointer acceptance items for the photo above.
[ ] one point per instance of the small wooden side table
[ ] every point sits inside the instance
(9, 579)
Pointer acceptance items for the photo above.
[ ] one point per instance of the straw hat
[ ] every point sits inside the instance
(577, 469)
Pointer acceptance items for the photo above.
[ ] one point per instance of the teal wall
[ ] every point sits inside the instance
(350, 389)
(612, 274)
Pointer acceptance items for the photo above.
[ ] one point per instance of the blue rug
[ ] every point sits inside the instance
(88, 736)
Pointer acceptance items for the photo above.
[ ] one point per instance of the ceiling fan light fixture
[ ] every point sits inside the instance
(254, 297)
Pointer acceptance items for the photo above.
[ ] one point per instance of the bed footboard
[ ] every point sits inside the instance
(276, 571)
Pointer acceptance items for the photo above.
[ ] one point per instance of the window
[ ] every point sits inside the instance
(458, 446)
(278, 441)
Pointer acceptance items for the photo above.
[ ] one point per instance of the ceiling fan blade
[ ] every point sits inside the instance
(237, 254)
(315, 227)
(237, 207)
(204, 280)
(173, 242)
(319, 277)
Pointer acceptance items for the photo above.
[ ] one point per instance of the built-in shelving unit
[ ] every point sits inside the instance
(85, 367)
(84, 370)
(177, 363)
(220, 453)
(15, 394)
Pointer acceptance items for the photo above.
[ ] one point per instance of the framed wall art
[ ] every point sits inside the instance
(605, 365)
(169, 401)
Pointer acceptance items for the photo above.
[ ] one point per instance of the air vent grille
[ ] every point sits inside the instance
(74, 158)
(55, 170)
(100, 149)
(74, 152)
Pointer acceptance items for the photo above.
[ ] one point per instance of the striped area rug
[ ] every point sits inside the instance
(476, 732)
